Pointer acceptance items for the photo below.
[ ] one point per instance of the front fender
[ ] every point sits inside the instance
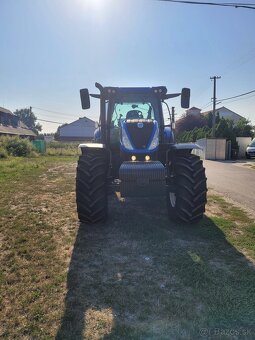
(92, 147)
(185, 146)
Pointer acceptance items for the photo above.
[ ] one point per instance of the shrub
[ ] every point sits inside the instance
(16, 146)
(3, 152)
(56, 148)
(33, 154)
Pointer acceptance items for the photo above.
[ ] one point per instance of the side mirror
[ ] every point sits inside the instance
(185, 97)
(85, 100)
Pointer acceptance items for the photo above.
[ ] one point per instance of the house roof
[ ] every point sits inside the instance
(77, 120)
(2, 109)
(20, 131)
(220, 108)
(194, 108)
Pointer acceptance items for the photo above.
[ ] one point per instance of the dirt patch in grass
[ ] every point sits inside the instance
(138, 276)
(250, 165)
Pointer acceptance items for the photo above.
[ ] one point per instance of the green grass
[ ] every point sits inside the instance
(56, 148)
(251, 166)
(15, 168)
(138, 276)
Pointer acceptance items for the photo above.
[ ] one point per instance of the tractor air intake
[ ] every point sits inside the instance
(140, 135)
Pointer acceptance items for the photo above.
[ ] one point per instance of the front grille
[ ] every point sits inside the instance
(140, 136)
(140, 179)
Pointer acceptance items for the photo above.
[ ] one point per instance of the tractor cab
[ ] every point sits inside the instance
(134, 127)
(131, 120)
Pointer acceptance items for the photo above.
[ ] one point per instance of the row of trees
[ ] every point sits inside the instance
(191, 128)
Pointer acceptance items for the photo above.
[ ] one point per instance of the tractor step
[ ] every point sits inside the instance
(140, 179)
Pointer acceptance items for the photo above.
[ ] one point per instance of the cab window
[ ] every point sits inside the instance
(131, 111)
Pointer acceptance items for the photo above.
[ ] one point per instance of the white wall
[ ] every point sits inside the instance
(80, 128)
(242, 143)
(213, 149)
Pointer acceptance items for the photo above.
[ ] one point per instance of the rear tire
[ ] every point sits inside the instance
(187, 201)
(91, 187)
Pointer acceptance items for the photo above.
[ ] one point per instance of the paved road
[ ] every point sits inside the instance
(233, 180)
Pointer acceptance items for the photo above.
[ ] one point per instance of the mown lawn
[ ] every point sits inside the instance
(138, 276)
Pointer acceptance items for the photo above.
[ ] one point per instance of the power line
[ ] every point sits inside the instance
(57, 112)
(49, 121)
(236, 100)
(226, 4)
(206, 105)
(240, 95)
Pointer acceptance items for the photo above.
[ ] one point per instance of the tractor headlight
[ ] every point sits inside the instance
(126, 141)
(155, 140)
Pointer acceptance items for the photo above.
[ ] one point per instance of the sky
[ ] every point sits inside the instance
(52, 48)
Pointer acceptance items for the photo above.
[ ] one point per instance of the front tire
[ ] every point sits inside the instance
(91, 187)
(186, 202)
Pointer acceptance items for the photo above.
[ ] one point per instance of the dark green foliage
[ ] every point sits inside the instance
(243, 128)
(29, 118)
(225, 128)
(15, 146)
(195, 134)
(209, 118)
(3, 152)
(190, 122)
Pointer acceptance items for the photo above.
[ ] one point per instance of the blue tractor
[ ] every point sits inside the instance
(134, 151)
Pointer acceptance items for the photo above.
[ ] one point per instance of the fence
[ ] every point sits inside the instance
(213, 148)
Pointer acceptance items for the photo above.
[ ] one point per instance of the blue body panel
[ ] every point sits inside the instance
(97, 134)
(168, 135)
(139, 151)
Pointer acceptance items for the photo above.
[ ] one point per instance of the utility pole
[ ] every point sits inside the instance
(214, 103)
(173, 117)
(173, 121)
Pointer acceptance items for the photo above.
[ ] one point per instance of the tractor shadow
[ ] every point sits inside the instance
(141, 276)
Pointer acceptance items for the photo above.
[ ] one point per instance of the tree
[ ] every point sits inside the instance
(225, 129)
(29, 118)
(243, 128)
(189, 122)
(209, 118)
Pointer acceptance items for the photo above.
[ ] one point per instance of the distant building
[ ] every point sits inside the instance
(10, 125)
(81, 129)
(48, 138)
(225, 113)
(194, 111)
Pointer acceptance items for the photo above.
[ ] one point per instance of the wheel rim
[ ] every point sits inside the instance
(172, 198)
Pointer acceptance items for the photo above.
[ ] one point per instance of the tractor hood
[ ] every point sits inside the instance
(139, 135)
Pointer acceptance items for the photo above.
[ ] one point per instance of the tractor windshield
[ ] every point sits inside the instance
(131, 111)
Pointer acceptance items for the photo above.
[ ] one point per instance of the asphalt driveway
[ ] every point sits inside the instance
(235, 180)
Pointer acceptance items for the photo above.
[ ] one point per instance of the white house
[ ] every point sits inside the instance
(225, 113)
(81, 129)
